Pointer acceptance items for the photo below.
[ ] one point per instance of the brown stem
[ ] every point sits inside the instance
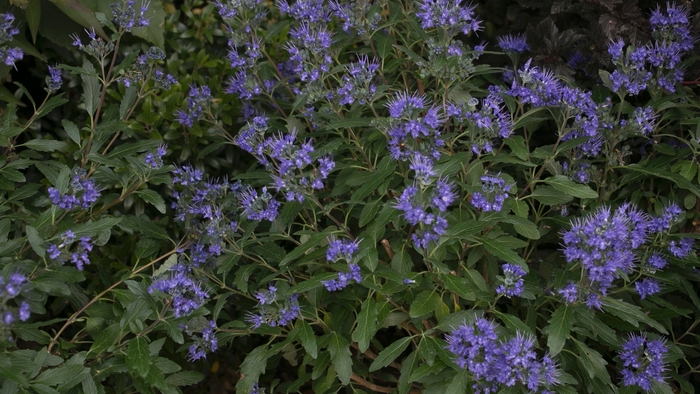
(380, 389)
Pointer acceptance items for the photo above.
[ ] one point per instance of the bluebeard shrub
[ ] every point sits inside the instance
(345, 196)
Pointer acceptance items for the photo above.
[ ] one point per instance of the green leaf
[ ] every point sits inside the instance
(81, 14)
(630, 313)
(127, 101)
(33, 15)
(459, 286)
(389, 354)
(44, 145)
(523, 226)
(35, 240)
(91, 87)
(366, 324)
(547, 195)
(138, 358)
(58, 376)
(89, 386)
(566, 185)
(184, 378)
(559, 328)
(423, 304)
(154, 32)
(500, 250)
(252, 367)
(313, 241)
(72, 130)
(385, 44)
(516, 144)
(105, 339)
(592, 362)
(308, 339)
(341, 357)
(661, 173)
(153, 198)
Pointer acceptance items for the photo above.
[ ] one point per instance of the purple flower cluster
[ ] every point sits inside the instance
(286, 159)
(357, 83)
(647, 287)
(579, 172)
(604, 243)
(257, 389)
(643, 361)
(83, 193)
(97, 47)
(268, 296)
(60, 253)
(663, 222)
(493, 194)
(412, 131)
(313, 11)
(231, 8)
(127, 17)
(259, 207)
(513, 284)
(343, 250)
(53, 80)
(206, 343)
(426, 209)
(276, 315)
(451, 15)
(7, 31)
(491, 121)
(197, 102)
(513, 43)
(142, 67)
(181, 284)
(354, 16)
(657, 62)
(537, 87)
(11, 287)
(681, 248)
(310, 56)
(243, 59)
(155, 159)
(498, 364)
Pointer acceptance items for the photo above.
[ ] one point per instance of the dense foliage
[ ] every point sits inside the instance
(344, 196)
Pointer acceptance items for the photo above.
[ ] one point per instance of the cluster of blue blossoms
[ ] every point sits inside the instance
(494, 192)
(60, 252)
(343, 250)
(273, 312)
(7, 31)
(82, 193)
(607, 244)
(10, 287)
(643, 361)
(657, 63)
(498, 363)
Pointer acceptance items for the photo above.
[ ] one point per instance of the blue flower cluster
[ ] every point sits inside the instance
(197, 103)
(10, 287)
(310, 55)
(53, 80)
(343, 250)
(451, 15)
(287, 160)
(513, 44)
(83, 193)
(512, 284)
(60, 253)
(494, 191)
(204, 343)
(127, 17)
(414, 127)
(97, 47)
(354, 15)
(144, 67)
(654, 64)
(426, 209)
(154, 160)
(357, 83)
(276, 314)
(180, 283)
(608, 244)
(491, 121)
(643, 361)
(578, 171)
(496, 364)
(7, 31)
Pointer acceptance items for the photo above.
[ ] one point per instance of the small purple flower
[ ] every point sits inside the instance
(513, 43)
(344, 279)
(513, 284)
(452, 15)
(647, 287)
(494, 192)
(53, 80)
(206, 343)
(342, 249)
(643, 361)
(127, 17)
(682, 248)
(197, 103)
(155, 159)
(569, 292)
(262, 207)
(656, 261)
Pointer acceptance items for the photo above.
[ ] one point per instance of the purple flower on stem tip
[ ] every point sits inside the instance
(7, 31)
(647, 287)
(452, 15)
(513, 284)
(342, 249)
(569, 292)
(155, 159)
(494, 192)
(262, 207)
(344, 278)
(682, 248)
(197, 102)
(513, 43)
(127, 17)
(643, 361)
(83, 193)
(53, 80)
(180, 284)
(206, 343)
